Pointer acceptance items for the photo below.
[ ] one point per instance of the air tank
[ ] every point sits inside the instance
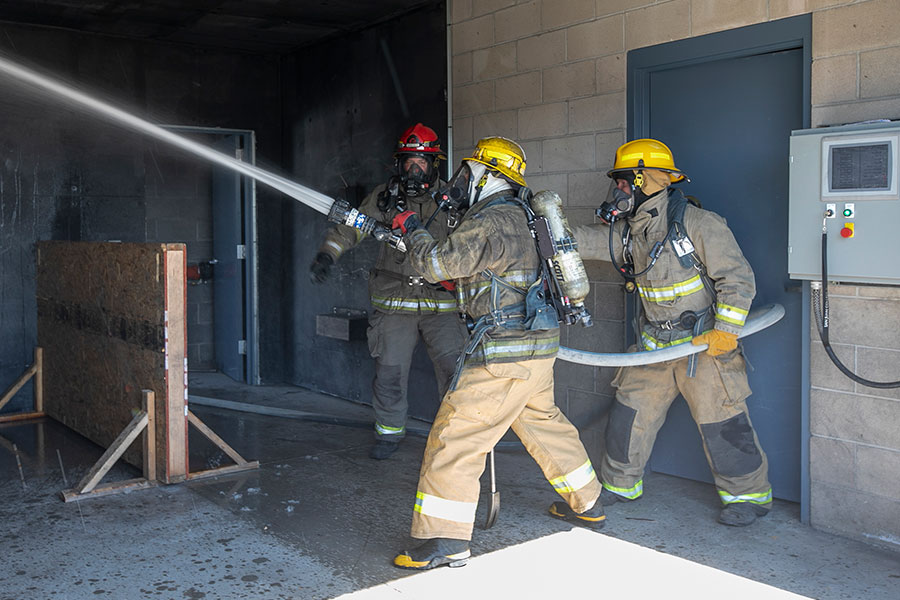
(567, 266)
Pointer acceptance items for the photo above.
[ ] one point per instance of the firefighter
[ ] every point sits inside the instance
(405, 306)
(505, 375)
(695, 286)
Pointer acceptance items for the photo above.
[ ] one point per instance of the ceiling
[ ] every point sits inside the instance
(260, 26)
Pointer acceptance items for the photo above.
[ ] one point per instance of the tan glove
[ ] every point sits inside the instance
(719, 341)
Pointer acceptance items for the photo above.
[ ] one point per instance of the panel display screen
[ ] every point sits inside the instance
(861, 167)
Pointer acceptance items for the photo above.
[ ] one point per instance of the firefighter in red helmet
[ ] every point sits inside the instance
(405, 306)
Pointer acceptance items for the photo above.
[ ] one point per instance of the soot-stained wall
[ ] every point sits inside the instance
(65, 175)
(344, 114)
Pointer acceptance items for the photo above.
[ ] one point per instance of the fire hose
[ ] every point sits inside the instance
(757, 320)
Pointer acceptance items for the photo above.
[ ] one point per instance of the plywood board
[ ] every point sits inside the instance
(111, 322)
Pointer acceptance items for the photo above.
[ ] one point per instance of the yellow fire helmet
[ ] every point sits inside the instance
(502, 155)
(646, 154)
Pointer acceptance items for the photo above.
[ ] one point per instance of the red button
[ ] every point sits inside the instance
(846, 232)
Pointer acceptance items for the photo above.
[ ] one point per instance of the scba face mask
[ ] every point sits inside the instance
(618, 203)
(458, 192)
(417, 174)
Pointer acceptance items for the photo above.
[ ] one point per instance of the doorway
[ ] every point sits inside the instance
(213, 211)
(726, 104)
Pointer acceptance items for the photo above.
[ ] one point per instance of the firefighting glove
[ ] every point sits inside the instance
(318, 270)
(719, 341)
(406, 221)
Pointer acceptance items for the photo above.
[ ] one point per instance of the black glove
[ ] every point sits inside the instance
(318, 270)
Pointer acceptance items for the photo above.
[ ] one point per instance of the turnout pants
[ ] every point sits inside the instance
(716, 397)
(487, 401)
(392, 340)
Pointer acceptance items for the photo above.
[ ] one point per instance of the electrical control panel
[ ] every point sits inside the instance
(845, 179)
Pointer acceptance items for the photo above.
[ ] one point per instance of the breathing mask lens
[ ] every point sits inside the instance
(456, 193)
(416, 174)
(618, 203)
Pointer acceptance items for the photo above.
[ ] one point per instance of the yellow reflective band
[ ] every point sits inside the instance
(441, 508)
(759, 498)
(670, 292)
(651, 343)
(730, 314)
(632, 492)
(334, 245)
(387, 430)
(575, 480)
(421, 304)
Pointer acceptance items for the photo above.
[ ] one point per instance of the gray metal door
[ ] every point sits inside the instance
(229, 252)
(728, 122)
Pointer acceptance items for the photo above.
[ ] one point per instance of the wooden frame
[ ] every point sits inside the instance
(36, 370)
(143, 422)
(240, 463)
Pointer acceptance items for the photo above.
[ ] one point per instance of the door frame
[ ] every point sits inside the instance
(773, 36)
(248, 210)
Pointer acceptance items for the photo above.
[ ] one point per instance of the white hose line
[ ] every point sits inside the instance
(757, 320)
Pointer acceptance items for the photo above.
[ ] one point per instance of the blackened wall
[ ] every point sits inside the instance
(68, 176)
(343, 116)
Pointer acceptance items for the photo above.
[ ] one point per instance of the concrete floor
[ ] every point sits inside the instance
(321, 520)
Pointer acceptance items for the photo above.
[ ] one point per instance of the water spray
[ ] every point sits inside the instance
(315, 200)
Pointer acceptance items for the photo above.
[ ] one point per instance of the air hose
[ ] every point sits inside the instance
(818, 287)
(757, 320)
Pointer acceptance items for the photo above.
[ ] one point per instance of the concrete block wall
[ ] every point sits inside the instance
(551, 74)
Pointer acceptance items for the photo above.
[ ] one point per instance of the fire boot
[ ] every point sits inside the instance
(741, 514)
(592, 518)
(434, 553)
(383, 449)
(608, 498)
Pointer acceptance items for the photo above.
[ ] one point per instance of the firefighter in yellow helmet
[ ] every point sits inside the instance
(695, 286)
(405, 306)
(504, 377)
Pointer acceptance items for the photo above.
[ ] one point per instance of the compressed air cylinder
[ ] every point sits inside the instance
(567, 265)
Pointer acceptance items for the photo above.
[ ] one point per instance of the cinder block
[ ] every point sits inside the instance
(861, 321)
(834, 79)
(535, 158)
(517, 22)
(556, 183)
(569, 81)
(607, 144)
(587, 189)
(493, 62)
(473, 99)
(518, 91)
(609, 305)
(463, 133)
(871, 519)
(542, 121)
(879, 72)
(201, 333)
(176, 230)
(601, 270)
(205, 311)
(878, 292)
(779, 9)
(474, 34)
(483, 7)
(575, 376)
(859, 26)
(717, 15)
(605, 338)
(822, 372)
(854, 112)
(855, 418)
(503, 123)
(878, 471)
(657, 24)
(542, 51)
(578, 216)
(200, 251)
(597, 113)
(460, 10)
(877, 364)
(462, 68)
(611, 74)
(559, 13)
(571, 153)
(832, 461)
(596, 38)
(609, 7)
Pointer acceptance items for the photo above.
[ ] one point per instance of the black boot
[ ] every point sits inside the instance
(608, 498)
(434, 553)
(593, 518)
(741, 514)
(383, 449)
